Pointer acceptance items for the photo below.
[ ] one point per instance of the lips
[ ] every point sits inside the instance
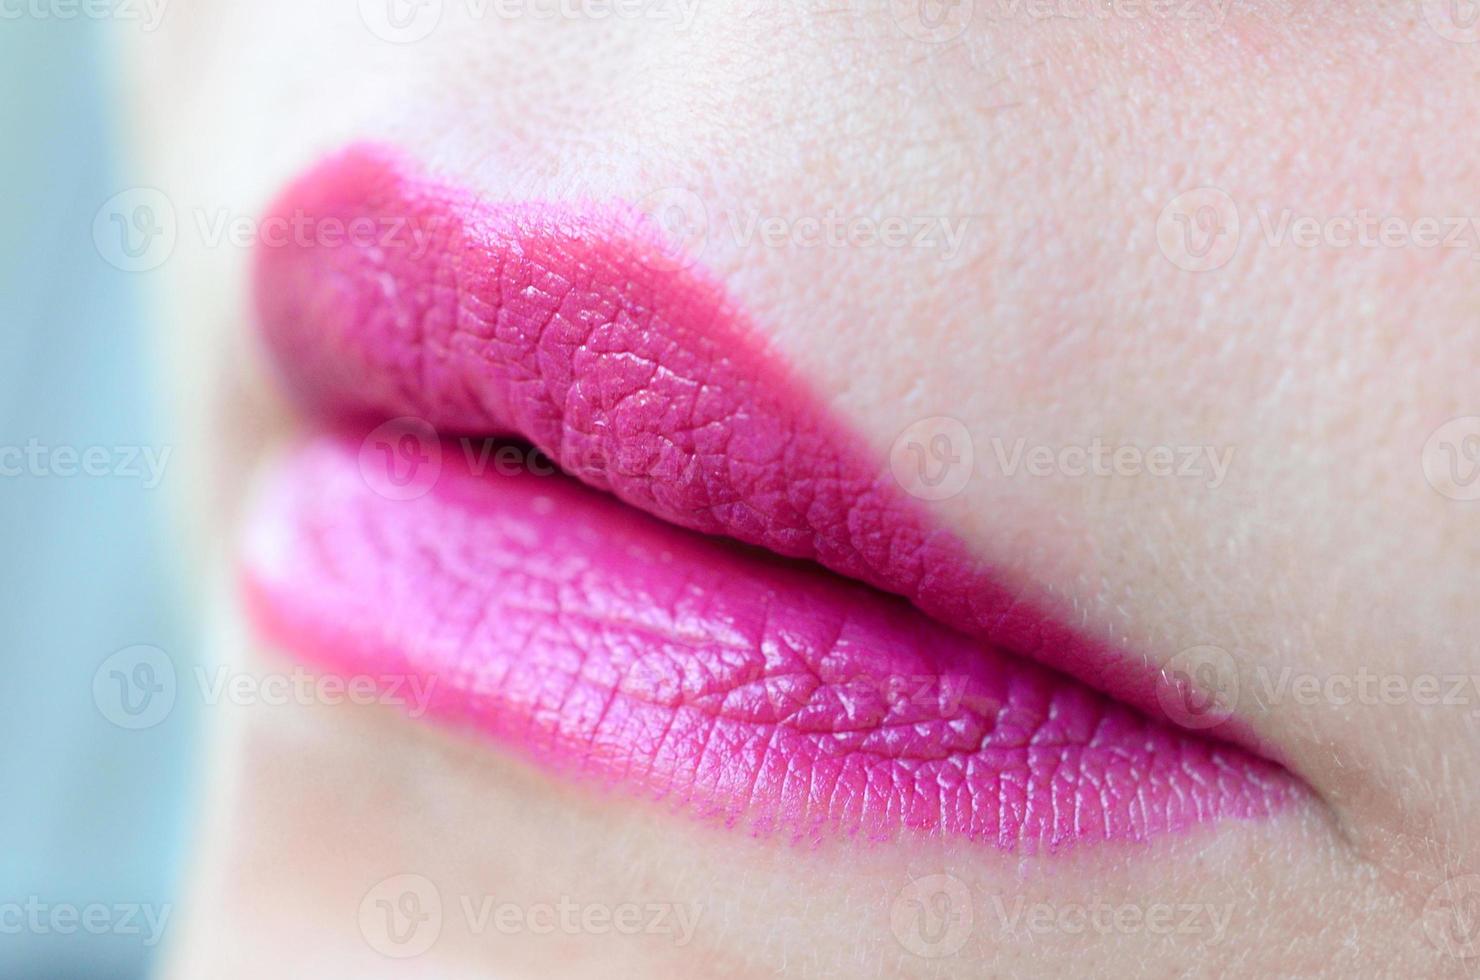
(723, 599)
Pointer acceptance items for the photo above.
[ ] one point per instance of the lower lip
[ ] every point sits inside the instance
(753, 690)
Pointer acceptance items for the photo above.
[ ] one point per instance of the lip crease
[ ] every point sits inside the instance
(626, 640)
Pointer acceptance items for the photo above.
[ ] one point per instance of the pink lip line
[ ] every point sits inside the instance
(576, 329)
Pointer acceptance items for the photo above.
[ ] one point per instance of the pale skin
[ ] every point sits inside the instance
(1053, 153)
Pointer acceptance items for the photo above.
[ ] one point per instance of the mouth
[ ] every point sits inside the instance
(717, 595)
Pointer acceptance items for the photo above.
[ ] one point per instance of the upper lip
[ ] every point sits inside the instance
(634, 375)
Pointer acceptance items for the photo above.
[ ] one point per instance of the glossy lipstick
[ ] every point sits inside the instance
(623, 639)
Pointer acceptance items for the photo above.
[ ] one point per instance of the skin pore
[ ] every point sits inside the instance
(1063, 274)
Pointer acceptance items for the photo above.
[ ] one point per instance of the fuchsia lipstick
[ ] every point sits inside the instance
(607, 628)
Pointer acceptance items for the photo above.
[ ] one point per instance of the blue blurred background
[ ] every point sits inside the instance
(93, 811)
